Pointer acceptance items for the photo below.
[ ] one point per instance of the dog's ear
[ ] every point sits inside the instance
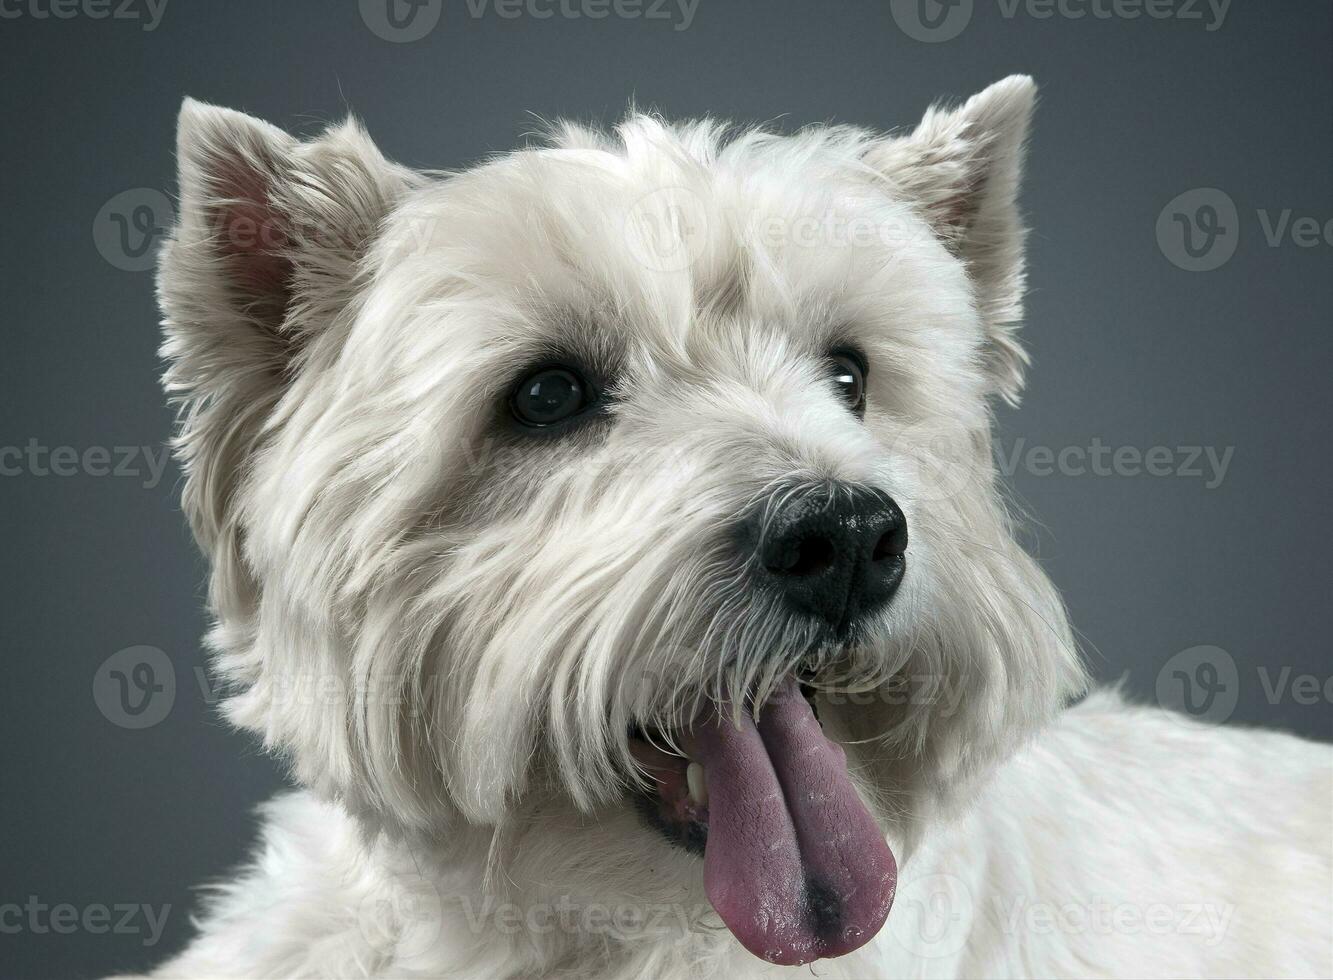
(261, 264)
(961, 166)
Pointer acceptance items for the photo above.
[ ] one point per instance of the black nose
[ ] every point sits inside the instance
(835, 551)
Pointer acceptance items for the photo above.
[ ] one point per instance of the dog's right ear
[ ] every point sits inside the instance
(961, 167)
(260, 267)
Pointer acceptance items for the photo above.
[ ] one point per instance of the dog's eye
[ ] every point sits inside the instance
(550, 395)
(848, 371)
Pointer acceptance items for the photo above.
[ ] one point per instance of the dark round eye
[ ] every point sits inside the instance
(550, 395)
(848, 370)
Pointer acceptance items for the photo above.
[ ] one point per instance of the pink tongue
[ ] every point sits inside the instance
(795, 865)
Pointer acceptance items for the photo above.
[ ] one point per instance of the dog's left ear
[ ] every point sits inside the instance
(961, 167)
(258, 271)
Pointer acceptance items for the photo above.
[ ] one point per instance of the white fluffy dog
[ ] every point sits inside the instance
(609, 538)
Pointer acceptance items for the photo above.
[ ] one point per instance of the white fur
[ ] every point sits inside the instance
(446, 629)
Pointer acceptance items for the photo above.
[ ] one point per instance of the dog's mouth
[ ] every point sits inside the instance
(794, 863)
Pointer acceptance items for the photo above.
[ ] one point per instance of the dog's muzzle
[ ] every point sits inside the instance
(836, 552)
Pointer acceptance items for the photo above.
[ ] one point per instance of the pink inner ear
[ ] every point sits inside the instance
(251, 235)
(954, 214)
(957, 211)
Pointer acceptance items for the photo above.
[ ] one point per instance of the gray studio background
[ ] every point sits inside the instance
(1145, 342)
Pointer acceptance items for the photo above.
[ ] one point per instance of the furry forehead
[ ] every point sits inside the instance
(673, 234)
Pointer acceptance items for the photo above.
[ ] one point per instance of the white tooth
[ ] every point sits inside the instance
(694, 777)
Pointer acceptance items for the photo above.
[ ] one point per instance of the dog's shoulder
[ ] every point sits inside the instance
(1210, 840)
(278, 915)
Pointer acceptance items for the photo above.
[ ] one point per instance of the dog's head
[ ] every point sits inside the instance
(543, 479)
